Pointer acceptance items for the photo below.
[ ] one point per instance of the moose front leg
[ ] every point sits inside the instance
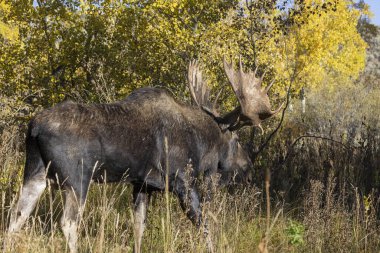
(141, 200)
(191, 205)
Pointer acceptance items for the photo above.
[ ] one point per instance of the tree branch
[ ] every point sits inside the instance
(256, 153)
(291, 148)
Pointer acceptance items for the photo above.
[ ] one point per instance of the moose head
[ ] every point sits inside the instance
(254, 107)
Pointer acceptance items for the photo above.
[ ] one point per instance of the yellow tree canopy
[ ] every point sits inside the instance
(326, 47)
(82, 49)
(8, 30)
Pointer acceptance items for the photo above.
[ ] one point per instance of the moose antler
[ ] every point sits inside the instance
(254, 101)
(199, 91)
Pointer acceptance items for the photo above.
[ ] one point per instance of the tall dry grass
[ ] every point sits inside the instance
(237, 223)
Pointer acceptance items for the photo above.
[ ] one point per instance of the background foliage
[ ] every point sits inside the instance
(85, 49)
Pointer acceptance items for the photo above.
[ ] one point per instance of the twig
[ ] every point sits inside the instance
(347, 147)
(256, 153)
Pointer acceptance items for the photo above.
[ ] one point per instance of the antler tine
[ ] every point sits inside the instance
(203, 95)
(216, 98)
(277, 110)
(269, 86)
(200, 88)
(262, 76)
(254, 72)
(232, 76)
(240, 85)
(192, 75)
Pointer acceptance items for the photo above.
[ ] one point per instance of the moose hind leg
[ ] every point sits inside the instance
(31, 191)
(141, 200)
(73, 208)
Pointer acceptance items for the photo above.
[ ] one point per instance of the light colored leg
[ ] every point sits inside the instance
(141, 200)
(30, 193)
(70, 219)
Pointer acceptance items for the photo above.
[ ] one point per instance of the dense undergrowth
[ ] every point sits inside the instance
(322, 223)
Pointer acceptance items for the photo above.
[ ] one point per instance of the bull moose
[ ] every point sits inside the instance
(73, 144)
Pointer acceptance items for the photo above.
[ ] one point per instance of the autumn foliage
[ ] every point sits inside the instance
(324, 159)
